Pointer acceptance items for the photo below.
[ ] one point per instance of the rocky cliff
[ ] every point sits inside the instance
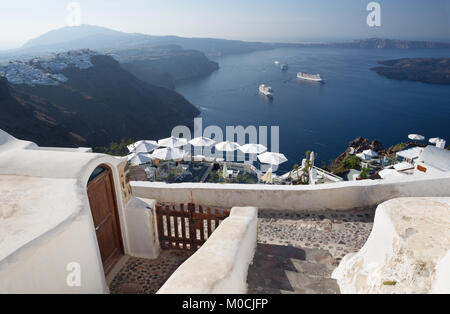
(63, 101)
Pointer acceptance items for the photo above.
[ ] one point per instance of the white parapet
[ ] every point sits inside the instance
(220, 266)
(408, 250)
(141, 229)
(336, 196)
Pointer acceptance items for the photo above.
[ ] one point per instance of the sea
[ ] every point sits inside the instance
(354, 101)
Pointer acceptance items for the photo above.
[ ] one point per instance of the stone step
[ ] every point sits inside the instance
(302, 283)
(313, 269)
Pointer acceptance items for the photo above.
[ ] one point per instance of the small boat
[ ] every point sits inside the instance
(284, 67)
(266, 90)
(309, 77)
(277, 62)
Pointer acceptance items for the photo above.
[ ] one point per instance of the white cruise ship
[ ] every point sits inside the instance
(309, 77)
(266, 90)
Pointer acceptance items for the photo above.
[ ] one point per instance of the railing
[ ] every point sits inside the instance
(186, 229)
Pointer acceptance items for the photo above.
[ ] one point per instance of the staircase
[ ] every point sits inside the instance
(289, 270)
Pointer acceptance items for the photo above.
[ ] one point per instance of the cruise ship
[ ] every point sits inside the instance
(265, 90)
(309, 77)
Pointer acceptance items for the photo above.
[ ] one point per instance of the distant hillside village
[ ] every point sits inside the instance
(45, 70)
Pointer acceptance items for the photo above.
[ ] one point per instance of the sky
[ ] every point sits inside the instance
(265, 20)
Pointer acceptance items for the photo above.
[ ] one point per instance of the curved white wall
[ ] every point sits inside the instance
(220, 266)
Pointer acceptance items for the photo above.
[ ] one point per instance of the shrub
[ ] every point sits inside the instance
(350, 162)
(364, 173)
(115, 149)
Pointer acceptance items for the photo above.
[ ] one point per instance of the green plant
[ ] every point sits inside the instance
(350, 162)
(364, 173)
(115, 149)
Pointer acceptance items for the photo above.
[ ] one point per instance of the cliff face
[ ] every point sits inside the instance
(95, 106)
(22, 116)
(426, 70)
(165, 66)
(359, 145)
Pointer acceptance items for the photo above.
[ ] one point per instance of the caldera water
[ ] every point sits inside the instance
(354, 101)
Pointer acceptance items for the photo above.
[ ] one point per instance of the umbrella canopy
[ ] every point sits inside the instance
(416, 137)
(168, 153)
(172, 142)
(370, 153)
(129, 156)
(143, 146)
(268, 178)
(253, 148)
(201, 142)
(140, 159)
(272, 158)
(227, 146)
(363, 157)
(435, 140)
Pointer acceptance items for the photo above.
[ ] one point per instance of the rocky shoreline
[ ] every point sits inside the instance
(426, 70)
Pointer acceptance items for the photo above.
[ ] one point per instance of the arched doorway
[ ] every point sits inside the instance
(102, 200)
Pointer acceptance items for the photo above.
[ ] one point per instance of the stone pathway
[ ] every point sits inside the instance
(297, 251)
(145, 276)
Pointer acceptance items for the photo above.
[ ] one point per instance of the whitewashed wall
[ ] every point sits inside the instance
(220, 266)
(336, 196)
(41, 265)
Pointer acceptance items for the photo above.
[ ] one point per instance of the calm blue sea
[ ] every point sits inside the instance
(324, 118)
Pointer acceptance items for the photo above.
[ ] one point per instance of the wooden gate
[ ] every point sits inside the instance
(186, 228)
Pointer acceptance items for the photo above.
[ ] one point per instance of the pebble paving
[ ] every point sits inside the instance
(296, 253)
(145, 276)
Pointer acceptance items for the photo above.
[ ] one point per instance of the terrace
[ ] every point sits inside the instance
(160, 241)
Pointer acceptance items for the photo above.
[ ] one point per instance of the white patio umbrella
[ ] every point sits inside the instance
(172, 142)
(140, 159)
(143, 146)
(168, 153)
(132, 147)
(370, 153)
(202, 142)
(435, 140)
(129, 156)
(273, 159)
(227, 146)
(363, 157)
(253, 148)
(416, 137)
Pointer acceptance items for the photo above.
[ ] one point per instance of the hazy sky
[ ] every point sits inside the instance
(271, 20)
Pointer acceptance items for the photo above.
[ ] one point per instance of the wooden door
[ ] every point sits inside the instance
(104, 212)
